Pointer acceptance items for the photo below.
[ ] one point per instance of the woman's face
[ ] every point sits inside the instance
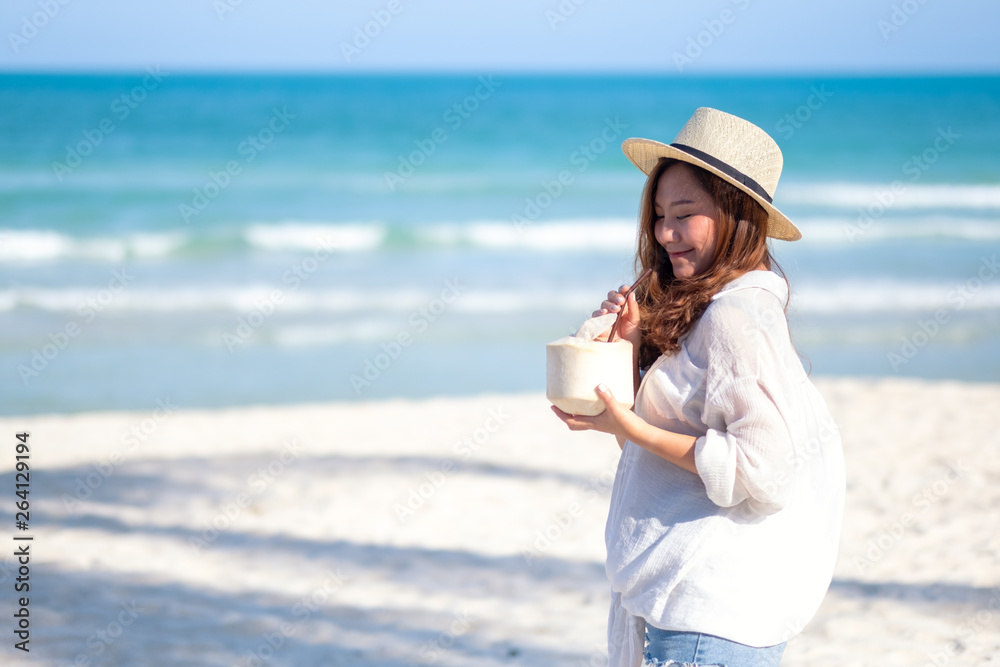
(685, 222)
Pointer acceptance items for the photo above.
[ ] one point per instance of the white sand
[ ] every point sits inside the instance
(321, 561)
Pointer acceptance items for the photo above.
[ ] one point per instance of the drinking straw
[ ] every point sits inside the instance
(614, 327)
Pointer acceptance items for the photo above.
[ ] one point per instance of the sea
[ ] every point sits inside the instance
(218, 240)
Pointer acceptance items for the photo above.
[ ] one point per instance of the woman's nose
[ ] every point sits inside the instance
(665, 233)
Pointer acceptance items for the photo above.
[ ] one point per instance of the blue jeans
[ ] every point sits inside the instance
(687, 649)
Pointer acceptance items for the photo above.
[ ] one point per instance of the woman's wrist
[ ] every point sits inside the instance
(632, 428)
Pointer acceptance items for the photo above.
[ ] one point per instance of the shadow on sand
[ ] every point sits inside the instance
(97, 617)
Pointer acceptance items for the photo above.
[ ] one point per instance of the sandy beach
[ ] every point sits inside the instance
(458, 531)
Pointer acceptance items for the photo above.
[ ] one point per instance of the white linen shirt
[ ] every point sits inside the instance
(744, 549)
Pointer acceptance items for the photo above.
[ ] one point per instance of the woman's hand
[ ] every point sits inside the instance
(616, 419)
(628, 326)
(626, 425)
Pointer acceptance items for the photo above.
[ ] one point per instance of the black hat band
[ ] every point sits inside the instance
(726, 169)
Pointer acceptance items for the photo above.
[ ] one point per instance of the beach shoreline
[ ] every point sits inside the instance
(461, 531)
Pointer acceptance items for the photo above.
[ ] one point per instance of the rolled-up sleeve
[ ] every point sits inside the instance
(746, 452)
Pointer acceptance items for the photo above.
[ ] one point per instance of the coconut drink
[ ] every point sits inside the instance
(575, 365)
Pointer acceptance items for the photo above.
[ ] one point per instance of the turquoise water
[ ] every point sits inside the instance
(239, 240)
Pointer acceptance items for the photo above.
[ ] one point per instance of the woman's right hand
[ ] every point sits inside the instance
(628, 325)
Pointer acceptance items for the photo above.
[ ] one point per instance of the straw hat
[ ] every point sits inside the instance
(733, 149)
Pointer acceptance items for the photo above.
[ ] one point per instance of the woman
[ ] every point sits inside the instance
(726, 508)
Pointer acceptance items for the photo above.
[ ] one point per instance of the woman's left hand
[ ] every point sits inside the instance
(616, 418)
(626, 425)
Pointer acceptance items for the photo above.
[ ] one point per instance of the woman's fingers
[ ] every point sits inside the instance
(608, 305)
(633, 308)
(615, 302)
(574, 422)
(612, 420)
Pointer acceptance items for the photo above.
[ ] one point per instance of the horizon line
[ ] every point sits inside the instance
(389, 72)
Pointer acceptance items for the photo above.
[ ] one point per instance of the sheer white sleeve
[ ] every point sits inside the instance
(750, 396)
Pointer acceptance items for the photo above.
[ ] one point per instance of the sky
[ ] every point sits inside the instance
(682, 38)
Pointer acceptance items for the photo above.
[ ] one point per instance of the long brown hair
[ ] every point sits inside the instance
(669, 308)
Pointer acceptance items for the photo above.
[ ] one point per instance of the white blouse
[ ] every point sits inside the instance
(744, 549)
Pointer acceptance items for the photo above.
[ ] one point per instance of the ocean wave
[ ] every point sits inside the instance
(908, 196)
(46, 245)
(333, 334)
(570, 235)
(244, 299)
(49, 245)
(614, 236)
(809, 297)
(859, 230)
(221, 298)
(579, 235)
(310, 236)
(894, 297)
